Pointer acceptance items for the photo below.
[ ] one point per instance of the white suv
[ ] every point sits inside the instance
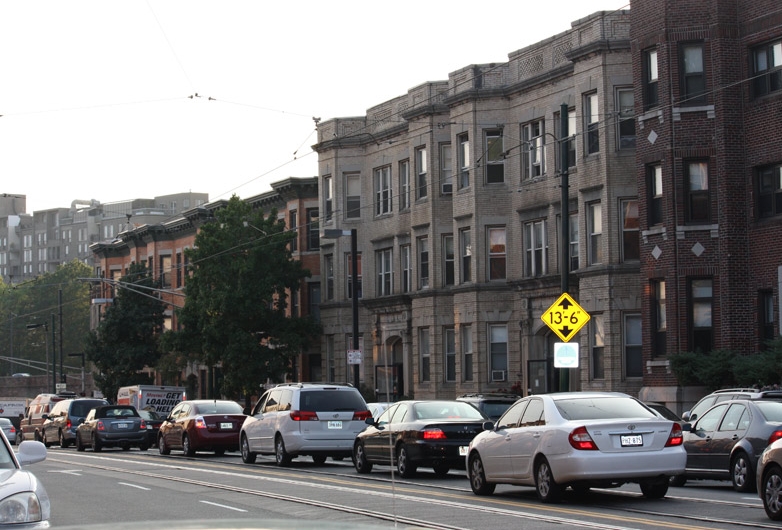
(294, 419)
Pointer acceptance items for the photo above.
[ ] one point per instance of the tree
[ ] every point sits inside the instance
(236, 299)
(126, 340)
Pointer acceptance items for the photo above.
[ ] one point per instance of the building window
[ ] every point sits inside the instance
(294, 302)
(597, 344)
(591, 124)
(766, 299)
(595, 228)
(407, 268)
(423, 263)
(449, 343)
(497, 253)
(770, 191)
(404, 185)
(767, 68)
(495, 157)
(625, 127)
(698, 208)
(464, 160)
(165, 271)
(385, 277)
(349, 274)
(570, 141)
(293, 228)
(573, 229)
(423, 349)
(178, 266)
(465, 250)
(633, 346)
(383, 190)
(446, 169)
(420, 168)
(498, 353)
(631, 244)
(313, 230)
(313, 297)
(328, 268)
(535, 248)
(650, 76)
(693, 87)
(655, 187)
(328, 197)
(353, 196)
(659, 322)
(465, 335)
(533, 149)
(701, 314)
(449, 261)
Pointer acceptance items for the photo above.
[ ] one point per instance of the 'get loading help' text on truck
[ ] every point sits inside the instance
(160, 399)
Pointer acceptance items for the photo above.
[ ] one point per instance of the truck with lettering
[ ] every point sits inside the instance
(14, 408)
(160, 399)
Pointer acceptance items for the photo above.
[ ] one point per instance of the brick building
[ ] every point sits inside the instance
(708, 101)
(454, 190)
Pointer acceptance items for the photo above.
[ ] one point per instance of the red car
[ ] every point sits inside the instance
(202, 425)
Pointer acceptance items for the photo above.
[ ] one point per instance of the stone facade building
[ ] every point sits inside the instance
(455, 192)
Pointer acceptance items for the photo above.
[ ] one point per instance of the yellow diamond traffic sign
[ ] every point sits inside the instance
(565, 317)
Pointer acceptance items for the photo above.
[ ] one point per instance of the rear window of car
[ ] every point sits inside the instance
(602, 408)
(80, 409)
(771, 410)
(446, 409)
(218, 407)
(116, 412)
(331, 400)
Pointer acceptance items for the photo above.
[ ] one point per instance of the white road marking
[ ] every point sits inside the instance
(133, 486)
(76, 472)
(224, 506)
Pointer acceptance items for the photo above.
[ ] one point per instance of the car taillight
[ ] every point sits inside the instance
(776, 435)
(68, 424)
(200, 422)
(580, 439)
(13, 429)
(675, 437)
(362, 415)
(433, 434)
(304, 415)
(100, 426)
(143, 424)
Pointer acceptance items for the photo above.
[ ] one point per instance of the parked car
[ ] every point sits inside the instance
(431, 433)
(727, 394)
(492, 404)
(153, 421)
(377, 408)
(30, 428)
(60, 424)
(320, 420)
(202, 425)
(112, 426)
(769, 480)
(578, 440)
(8, 429)
(24, 502)
(726, 441)
(663, 411)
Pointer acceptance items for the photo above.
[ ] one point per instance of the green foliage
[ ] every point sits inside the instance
(234, 313)
(126, 340)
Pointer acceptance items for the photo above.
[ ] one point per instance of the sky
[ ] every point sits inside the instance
(121, 99)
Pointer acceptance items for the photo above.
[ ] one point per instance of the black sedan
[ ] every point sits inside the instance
(153, 421)
(410, 434)
(726, 441)
(112, 426)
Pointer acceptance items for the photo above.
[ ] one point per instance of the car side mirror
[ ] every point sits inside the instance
(45, 416)
(687, 427)
(488, 425)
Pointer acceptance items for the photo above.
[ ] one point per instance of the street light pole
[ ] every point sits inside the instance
(354, 300)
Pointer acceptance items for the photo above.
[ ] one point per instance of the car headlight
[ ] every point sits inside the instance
(21, 508)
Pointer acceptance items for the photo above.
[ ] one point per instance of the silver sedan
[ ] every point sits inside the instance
(580, 440)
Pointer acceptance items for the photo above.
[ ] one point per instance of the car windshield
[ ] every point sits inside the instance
(218, 407)
(602, 408)
(446, 409)
(771, 410)
(331, 400)
(80, 409)
(149, 415)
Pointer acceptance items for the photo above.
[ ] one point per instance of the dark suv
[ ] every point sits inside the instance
(492, 405)
(728, 394)
(59, 426)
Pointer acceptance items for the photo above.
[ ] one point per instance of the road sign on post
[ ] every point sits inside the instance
(565, 317)
(354, 356)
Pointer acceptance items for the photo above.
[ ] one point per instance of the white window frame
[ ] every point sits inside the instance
(533, 149)
(383, 191)
(385, 272)
(535, 248)
(446, 169)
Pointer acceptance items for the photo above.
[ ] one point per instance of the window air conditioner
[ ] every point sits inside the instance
(497, 375)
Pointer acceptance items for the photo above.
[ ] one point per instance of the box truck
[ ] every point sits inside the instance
(160, 399)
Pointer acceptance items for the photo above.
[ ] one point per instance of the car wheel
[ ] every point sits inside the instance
(143, 447)
(248, 457)
(441, 469)
(63, 441)
(654, 489)
(477, 476)
(282, 456)
(404, 466)
(742, 474)
(96, 446)
(43, 439)
(162, 447)
(677, 481)
(771, 492)
(186, 447)
(319, 459)
(360, 461)
(79, 445)
(37, 437)
(548, 489)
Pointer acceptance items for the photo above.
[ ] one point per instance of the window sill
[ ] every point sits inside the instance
(683, 229)
(678, 111)
(657, 230)
(657, 364)
(650, 115)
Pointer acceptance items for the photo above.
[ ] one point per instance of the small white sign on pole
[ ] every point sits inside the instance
(565, 355)
(354, 356)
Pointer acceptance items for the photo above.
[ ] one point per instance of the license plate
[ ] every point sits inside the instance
(633, 440)
(122, 425)
(462, 450)
(335, 425)
(226, 425)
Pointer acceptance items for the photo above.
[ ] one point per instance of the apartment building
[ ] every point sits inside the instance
(454, 190)
(708, 94)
